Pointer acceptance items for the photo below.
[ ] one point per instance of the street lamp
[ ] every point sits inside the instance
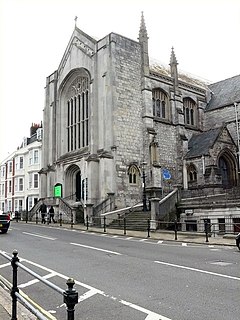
(144, 197)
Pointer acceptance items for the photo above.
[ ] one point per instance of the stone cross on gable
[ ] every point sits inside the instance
(75, 20)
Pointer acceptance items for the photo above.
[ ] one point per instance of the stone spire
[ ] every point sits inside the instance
(143, 40)
(173, 67)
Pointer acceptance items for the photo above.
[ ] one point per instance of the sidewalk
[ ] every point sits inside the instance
(182, 237)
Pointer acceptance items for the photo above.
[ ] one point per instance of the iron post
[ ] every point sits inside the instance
(148, 227)
(70, 297)
(14, 284)
(104, 224)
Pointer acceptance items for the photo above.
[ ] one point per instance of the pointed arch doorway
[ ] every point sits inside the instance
(73, 183)
(227, 166)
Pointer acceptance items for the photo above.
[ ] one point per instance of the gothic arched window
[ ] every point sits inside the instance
(160, 104)
(78, 114)
(133, 174)
(192, 173)
(190, 112)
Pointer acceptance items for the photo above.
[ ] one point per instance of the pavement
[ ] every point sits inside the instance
(183, 237)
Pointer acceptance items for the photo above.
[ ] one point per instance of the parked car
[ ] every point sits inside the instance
(238, 241)
(4, 221)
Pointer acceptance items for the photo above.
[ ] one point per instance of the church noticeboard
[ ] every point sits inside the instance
(58, 190)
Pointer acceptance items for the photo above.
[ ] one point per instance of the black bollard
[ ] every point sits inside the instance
(104, 224)
(175, 228)
(148, 227)
(124, 226)
(87, 222)
(206, 230)
(14, 285)
(36, 217)
(60, 220)
(70, 298)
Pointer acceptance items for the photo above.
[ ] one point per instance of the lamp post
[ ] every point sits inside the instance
(144, 197)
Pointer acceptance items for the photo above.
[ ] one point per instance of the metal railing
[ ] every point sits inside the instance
(70, 295)
(126, 223)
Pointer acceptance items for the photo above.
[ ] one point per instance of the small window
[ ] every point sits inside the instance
(35, 180)
(133, 174)
(190, 112)
(21, 162)
(20, 184)
(192, 173)
(159, 104)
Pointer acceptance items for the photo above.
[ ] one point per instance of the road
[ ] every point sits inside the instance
(121, 277)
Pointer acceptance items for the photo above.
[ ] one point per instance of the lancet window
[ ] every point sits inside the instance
(78, 114)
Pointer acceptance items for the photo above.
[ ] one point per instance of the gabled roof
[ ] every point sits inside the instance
(200, 144)
(224, 93)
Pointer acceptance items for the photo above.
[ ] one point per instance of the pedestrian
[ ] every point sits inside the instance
(43, 210)
(51, 214)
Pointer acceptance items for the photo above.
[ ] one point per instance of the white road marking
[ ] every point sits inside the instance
(29, 283)
(5, 265)
(94, 248)
(93, 291)
(142, 240)
(151, 315)
(198, 270)
(184, 244)
(160, 241)
(129, 238)
(39, 236)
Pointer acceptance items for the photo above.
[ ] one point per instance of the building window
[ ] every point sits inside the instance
(35, 180)
(190, 111)
(3, 171)
(20, 184)
(160, 104)
(9, 205)
(10, 167)
(9, 186)
(35, 157)
(21, 163)
(192, 173)
(133, 174)
(20, 205)
(78, 114)
(2, 189)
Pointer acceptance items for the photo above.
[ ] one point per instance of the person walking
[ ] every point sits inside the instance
(43, 210)
(51, 214)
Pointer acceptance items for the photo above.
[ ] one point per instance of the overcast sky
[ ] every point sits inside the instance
(35, 33)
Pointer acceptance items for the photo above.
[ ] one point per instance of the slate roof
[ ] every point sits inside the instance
(225, 92)
(163, 69)
(199, 144)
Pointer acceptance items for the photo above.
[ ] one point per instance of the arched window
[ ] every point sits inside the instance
(160, 104)
(78, 114)
(133, 174)
(190, 112)
(192, 173)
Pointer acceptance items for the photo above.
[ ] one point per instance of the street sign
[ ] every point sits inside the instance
(166, 174)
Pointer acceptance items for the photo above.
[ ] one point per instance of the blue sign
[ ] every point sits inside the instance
(166, 174)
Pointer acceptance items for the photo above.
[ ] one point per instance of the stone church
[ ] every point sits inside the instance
(115, 121)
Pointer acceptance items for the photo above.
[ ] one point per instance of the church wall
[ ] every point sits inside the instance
(127, 113)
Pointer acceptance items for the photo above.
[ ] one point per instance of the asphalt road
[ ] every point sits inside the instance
(123, 278)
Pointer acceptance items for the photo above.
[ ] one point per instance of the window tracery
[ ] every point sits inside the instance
(78, 113)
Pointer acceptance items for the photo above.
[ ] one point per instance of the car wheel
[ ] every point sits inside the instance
(4, 231)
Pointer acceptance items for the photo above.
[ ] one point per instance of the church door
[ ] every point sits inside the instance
(78, 186)
(227, 170)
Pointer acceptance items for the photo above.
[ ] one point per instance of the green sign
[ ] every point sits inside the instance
(58, 190)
